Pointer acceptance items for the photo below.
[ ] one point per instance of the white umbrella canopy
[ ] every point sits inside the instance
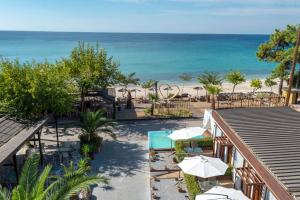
(203, 166)
(187, 133)
(221, 193)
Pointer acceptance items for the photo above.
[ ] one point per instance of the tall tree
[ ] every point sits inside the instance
(281, 72)
(295, 58)
(209, 78)
(91, 67)
(185, 78)
(236, 78)
(280, 47)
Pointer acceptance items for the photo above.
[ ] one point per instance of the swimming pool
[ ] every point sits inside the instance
(160, 140)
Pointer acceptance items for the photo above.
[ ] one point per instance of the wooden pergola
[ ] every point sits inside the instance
(220, 144)
(14, 134)
(252, 183)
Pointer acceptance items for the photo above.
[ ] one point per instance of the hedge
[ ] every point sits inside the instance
(192, 185)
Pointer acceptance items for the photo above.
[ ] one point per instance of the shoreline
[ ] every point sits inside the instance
(188, 88)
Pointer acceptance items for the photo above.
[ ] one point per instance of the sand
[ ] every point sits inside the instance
(188, 88)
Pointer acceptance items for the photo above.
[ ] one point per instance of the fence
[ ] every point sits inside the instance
(178, 108)
(245, 100)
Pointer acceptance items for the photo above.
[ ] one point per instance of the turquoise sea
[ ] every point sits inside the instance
(151, 56)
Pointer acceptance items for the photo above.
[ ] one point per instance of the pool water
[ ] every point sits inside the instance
(160, 139)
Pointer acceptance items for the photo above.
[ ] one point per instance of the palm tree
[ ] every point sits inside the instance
(185, 78)
(236, 78)
(147, 85)
(213, 90)
(125, 81)
(33, 185)
(209, 78)
(93, 122)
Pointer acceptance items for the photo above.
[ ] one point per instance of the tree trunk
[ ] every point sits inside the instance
(213, 102)
(233, 88)
(152, 109)
(298, 79)
(280, 86)
(295, 57)
(129, 100)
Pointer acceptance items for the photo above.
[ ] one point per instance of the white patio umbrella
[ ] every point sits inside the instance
(203, 166)
(221, 193)
(187, 133)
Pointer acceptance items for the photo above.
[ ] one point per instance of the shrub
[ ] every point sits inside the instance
(229, 171)
(205, 142)
(192, 186)
(179, 149)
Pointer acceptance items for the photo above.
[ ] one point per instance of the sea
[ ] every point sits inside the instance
(156, 56)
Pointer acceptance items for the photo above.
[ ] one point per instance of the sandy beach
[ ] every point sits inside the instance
(189, 88)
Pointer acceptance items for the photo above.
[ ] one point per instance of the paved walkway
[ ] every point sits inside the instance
(125, 161)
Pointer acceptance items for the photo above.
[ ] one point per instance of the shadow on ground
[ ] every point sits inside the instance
(141, 128)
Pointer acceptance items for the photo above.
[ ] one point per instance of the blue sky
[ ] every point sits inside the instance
(171, 16)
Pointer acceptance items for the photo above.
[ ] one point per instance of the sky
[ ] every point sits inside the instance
(158, 16)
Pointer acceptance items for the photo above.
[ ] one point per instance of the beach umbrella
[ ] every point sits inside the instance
(203, 166)
(221, 193)
(198, 88)
(187, 133)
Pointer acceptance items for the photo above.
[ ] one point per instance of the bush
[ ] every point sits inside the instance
(205, 142)
(192, 186)
(229, 171)
(179, 149)
(94, 143)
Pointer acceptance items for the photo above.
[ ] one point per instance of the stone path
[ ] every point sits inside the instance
(125, 161)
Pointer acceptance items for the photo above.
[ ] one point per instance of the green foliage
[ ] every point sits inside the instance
(204, 142)
(236, 78)
(4, 193)
(93, 122)
(148, 84)
(86, 149)
(147, 112)
(256, 84)
(192, 186)
(90, 66)
(32, 89)
(179, 149)
(125, 80)
(209, 78)
(213, 89)
(280, 46)
(32, 184)
(229, 170)
(269, 82)
(153, 97)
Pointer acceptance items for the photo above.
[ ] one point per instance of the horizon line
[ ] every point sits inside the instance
(183, 33)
